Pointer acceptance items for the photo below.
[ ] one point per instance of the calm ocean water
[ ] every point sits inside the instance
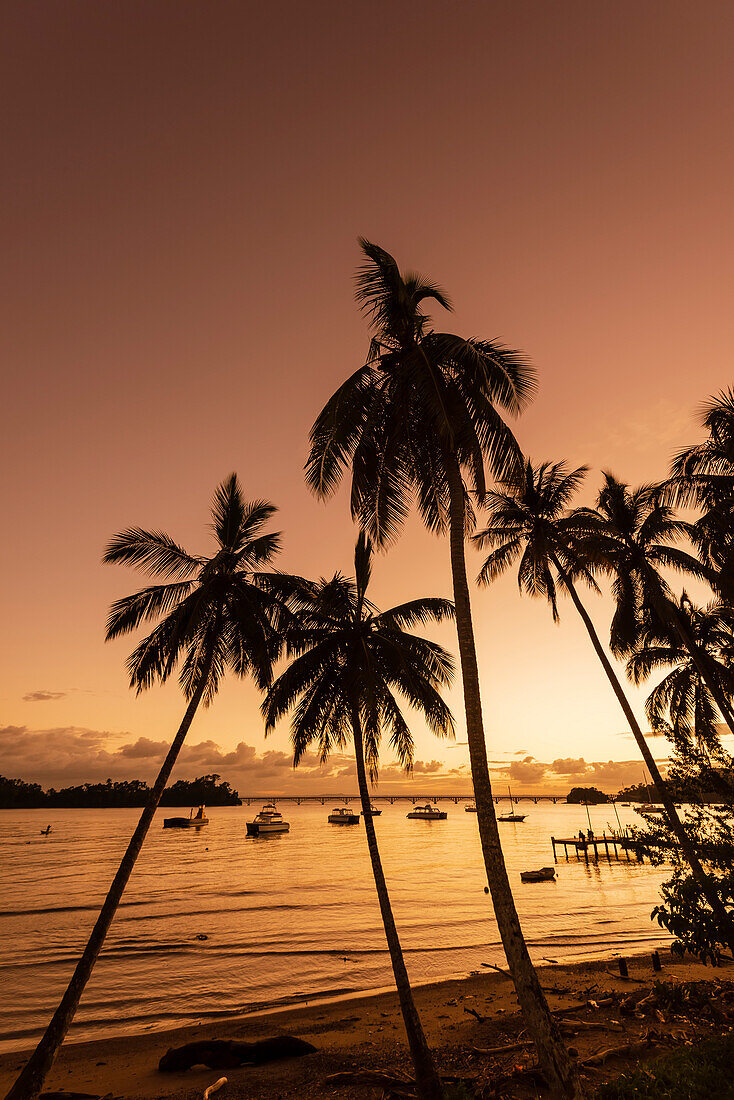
(285, 916)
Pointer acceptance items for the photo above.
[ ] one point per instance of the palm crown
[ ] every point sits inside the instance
(628, 536)
(682, 704)
(529, 520)
(351, 660)
(215, 612)
(421, 396)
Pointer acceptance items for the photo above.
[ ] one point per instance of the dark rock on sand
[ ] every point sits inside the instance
(229, 1053)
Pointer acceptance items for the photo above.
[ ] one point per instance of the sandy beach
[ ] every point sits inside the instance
(365, 1033)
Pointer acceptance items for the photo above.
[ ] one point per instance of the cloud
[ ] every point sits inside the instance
(65, 755)
(43, 696)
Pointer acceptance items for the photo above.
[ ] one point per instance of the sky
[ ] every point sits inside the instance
(183, 188)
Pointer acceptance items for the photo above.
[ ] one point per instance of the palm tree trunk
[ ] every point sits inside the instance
(557, 1067)
(31, 1079)
(427, 1080)
(704, 881)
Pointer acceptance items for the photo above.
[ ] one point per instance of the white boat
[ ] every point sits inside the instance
(649, 808)
(511, 816)
(193, 821)
(373, 810)
(427, 813)
(268, 821)
(471, 808)
(342, 815)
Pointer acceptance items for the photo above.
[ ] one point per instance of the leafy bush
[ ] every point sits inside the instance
(700, 1072)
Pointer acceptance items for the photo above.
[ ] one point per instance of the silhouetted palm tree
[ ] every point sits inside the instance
(628, 536)
(215, 613)
(529, 521)
(703, 476)
(681, 705)
(417, 417)
(349, 662)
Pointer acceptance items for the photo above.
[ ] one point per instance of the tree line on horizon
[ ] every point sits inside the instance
(205, 790)
(423, 423)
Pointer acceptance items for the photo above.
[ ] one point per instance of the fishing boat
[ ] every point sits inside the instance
(342, 815)
(511, 816)
(193, 821)
(373, 811)
(427, 813)
(267, 821)
(471, 808)
(544, 874)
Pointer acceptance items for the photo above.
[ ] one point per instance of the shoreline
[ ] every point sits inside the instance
(361, 1029)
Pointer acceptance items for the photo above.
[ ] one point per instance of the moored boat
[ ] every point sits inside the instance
(342, 815)
(649, 808)
(471, 808)
(373, 810)
(544, 874)
(427, 813)
(511, 816)
(194, 820)
(267, 821)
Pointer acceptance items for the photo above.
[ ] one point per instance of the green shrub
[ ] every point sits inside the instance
(700, 1072)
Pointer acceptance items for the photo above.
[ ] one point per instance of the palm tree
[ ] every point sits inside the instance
(214, 613)
(349, 661)
(681, 705)
(412, 421)
(628, 537)
(703, 475)
(529, 521)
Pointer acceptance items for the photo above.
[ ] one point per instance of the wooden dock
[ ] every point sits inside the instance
(614, 845)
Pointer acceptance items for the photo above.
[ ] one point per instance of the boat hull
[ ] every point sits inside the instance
(344, 819)
(545, 874)
(259, 828)
(512, 817)
(439, 815)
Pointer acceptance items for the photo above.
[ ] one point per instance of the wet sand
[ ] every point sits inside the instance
(366, 1032)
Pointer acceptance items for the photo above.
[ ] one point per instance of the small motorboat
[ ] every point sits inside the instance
(471, 808)
(267, 821)
(342, 815)
(193, 821)
(649, 808)
(545, 874)
(373, 810)
(427, 813)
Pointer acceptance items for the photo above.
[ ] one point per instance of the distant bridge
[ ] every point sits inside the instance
(248, 799)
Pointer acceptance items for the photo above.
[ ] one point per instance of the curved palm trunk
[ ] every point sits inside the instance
(426, 1075)
(704, 881)
(33, 1074)
(557, 1067)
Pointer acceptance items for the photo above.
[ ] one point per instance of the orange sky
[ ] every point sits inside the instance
(183, 188)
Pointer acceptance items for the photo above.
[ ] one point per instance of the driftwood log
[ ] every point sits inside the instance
(229, 1053)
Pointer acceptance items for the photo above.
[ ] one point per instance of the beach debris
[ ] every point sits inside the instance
(370, 1077)
(477, 1015)
(219, 1084)
(494, 1051)
(229, 1053)
(626, 1050)
(201, 936)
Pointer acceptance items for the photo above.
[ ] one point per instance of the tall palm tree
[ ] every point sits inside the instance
(628, 536)
(681, 704)
(529, 521)
(416, 418)
(214, 613)
(349, 661)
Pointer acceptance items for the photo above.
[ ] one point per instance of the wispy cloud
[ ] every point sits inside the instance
(43, 696)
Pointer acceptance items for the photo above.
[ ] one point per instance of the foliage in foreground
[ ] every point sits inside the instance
(698, 1072)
